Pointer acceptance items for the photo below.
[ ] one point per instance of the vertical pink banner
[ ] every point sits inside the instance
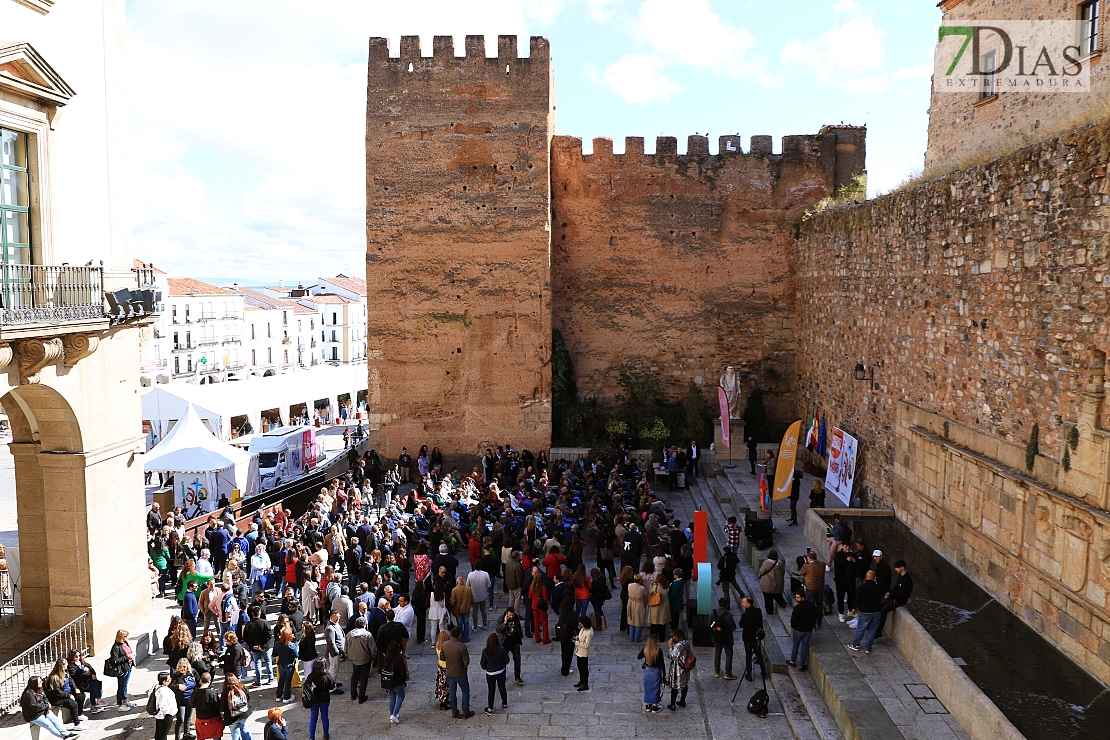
(723, 400)
(701, 533)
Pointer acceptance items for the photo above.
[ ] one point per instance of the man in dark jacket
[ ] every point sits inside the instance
(446, 560)
(751, 623)
(753, 453)
(869, 604)
(723, 627)
(802, 620)
(882, 572)
(726, 566)
(898, 596)
(256, 637)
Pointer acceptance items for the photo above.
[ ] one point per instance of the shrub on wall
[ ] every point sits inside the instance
(756, 423)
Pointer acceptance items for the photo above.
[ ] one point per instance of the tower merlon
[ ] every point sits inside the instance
(443, 50)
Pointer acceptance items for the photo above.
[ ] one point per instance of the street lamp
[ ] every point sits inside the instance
(862, 372)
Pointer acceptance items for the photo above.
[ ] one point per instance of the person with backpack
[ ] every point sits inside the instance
(236, 707)
(723, 627)
(163, 702)
(678, 670)
(236, 659)
(653, 673)
(395, 676)
(206, 709)
(316, 697)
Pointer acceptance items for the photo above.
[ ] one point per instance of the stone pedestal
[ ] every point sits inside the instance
(736, 439)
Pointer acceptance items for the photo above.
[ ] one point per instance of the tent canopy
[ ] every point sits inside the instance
(160, 405)
(191, 448)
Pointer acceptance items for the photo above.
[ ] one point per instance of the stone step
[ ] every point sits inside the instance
(796, 710)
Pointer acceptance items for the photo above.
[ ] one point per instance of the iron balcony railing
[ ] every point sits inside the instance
(39, 660)
(184, 345)
(48, 294)
(208, 342)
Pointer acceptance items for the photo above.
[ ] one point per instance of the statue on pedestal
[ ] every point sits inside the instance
(731, 385)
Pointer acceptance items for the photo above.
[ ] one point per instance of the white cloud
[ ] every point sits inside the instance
(602, 10)
(248, 128)
(638, 78)
(678, 33)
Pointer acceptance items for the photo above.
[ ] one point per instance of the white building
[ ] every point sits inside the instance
(341, 301)
(205, 325)
(154, 358)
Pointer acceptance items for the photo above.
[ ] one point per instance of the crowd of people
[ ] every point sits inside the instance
(374, 564)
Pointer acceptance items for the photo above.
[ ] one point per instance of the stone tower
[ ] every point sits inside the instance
(458, 244)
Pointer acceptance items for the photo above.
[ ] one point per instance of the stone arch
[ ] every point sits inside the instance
(41, 415)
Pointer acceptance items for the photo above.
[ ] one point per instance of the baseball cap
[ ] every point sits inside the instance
(876, 553)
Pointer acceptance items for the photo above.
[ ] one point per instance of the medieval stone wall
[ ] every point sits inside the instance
(458, 242)
(684, 263)
(980, 300)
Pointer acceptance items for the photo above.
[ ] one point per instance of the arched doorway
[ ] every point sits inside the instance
(80, 524)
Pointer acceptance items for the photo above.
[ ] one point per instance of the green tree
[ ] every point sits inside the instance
(757, 424)
(564, 392)
(656, 433)
(697, 417)
(638, 402)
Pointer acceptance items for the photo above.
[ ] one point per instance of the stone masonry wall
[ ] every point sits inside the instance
(980, 297)
(458, 245)
(685, 262)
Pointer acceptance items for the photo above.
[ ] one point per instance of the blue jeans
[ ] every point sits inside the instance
(866, 628)
(464, 623)
(321, 711)
(121, 687)
(239, 729)
(581, 606)
(285, 681)
(260, 658)
(454, 685)
(800, 651)
(396, 699)
(51, 724)
(635, 633)
(817, 598)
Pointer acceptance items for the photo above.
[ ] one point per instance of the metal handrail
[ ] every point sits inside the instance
(31, 294)
(39, 659)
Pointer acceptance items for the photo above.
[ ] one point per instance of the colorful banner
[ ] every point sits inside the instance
(705, 588)
(788, 455)
(841, 476)
(701, 538)
(722, 399)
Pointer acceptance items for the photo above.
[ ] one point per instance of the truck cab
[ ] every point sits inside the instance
(284, 454)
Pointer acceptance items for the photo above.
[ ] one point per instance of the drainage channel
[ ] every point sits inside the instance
(1044, 693)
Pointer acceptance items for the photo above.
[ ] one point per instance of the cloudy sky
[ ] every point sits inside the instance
(247, 115)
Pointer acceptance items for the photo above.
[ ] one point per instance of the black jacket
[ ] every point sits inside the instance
(726, 622)
(902, 589)
(206, 703)
(882, 576)
(321, 686)
(118, 657)
(804, 616)
(257, 633)
(727, 566)
(868, 597)
(33, 705)
(751, 621)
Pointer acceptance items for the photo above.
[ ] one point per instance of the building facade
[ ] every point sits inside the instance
(204, 325)
(983, 124)
(73, 320)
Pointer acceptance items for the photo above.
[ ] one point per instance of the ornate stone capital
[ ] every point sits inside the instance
(34, 355)
(6, 355)
(146, 333)
(78, 347)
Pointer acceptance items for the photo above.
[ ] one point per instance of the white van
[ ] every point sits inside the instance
(284, 454)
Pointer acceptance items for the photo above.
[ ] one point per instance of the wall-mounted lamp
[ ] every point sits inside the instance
(862, 372)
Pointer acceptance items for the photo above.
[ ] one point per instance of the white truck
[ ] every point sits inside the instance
(284, 454)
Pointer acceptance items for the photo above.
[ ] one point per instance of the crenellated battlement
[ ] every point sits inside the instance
(443, 54)
(696, 146)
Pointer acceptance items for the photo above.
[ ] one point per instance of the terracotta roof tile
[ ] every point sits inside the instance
(190, 286)
(136, 264)
(355, 285)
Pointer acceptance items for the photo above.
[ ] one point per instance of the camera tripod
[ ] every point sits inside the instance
(760, 659)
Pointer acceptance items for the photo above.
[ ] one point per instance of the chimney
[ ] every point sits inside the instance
(281, 284)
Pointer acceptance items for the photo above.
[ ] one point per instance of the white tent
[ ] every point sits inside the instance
(163, 408)
(203, 467)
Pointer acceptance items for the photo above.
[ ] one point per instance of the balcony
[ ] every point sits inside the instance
(208, 342)
(232, 317)
(206, 316)
(50, 294)
(178, 346)
(232, 340)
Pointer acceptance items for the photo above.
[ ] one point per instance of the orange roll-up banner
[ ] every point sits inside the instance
(788, 454)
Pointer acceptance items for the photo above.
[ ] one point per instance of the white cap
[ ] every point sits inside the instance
(877, 553)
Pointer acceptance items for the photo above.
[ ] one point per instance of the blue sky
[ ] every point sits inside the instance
(247, 117)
